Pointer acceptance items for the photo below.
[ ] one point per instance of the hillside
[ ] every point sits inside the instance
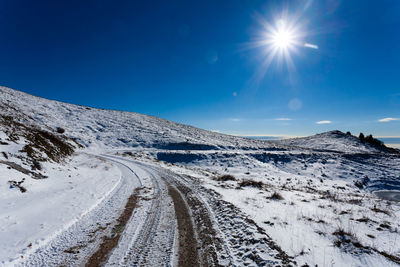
(114, 129)
(334, 141)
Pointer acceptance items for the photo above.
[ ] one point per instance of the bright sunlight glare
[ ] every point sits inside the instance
(282, 38)
(279, 40)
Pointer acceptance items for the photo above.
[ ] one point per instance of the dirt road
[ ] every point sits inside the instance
(155, 217)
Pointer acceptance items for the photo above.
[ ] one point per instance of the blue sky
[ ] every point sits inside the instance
(196, 62)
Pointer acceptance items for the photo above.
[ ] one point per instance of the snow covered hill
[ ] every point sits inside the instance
(115, 129)
(310, 197)
(334, 141)
(97, 128)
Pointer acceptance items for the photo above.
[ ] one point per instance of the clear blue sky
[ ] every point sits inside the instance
(194, 61)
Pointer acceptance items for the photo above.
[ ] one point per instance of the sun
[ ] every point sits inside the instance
(282, 39)
(283, 36)
(279, 40)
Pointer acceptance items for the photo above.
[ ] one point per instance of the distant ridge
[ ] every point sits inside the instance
(336, 141)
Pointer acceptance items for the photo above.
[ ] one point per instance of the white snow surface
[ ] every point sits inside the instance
(325, 182)
(105, 129)
(333, 140)
(30, 220)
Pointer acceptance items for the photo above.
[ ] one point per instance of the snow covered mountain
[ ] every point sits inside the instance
(68, 171)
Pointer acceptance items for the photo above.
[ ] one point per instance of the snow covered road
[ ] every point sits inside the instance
(189, 225)
(74, 241)
(222, 235)
(155, 217)
(149, 237)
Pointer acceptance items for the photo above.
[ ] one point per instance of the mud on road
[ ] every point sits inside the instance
(184, 224)
(187, 247)
(225, 236)
(109, 243)
(205, 237)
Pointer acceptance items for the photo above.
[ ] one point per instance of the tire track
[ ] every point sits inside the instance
(109, 243)
(226, 235)
(209, 249)
(153, 242)
(187, 250)
(74, 245)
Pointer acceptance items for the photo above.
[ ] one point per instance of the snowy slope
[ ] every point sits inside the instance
(96, 128)
(31, 219)
(333, 140)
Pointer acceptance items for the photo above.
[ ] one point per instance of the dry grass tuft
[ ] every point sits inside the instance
(276, 196)
(224, 178)
(251, 183)
(378, 210)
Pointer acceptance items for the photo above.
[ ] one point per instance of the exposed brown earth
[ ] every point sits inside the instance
(208, 242)
(211, 244)
(109, 243)
(187, 253)
(199, 244)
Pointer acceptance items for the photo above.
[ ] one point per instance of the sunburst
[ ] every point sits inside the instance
(278, 41)
(281, 39)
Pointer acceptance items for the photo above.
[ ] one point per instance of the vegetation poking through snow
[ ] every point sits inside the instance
(276, 196)
(251, 183)
(40, 145)
(379, 210)
(350, 244)
(375, 143)
(54, 147)
(225, 178)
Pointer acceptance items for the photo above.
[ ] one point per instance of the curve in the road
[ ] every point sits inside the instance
(74, 244)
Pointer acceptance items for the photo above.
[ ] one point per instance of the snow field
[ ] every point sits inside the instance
(30, 220)
(303, 222)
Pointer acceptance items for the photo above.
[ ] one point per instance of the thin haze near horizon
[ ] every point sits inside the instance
(240, 67)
